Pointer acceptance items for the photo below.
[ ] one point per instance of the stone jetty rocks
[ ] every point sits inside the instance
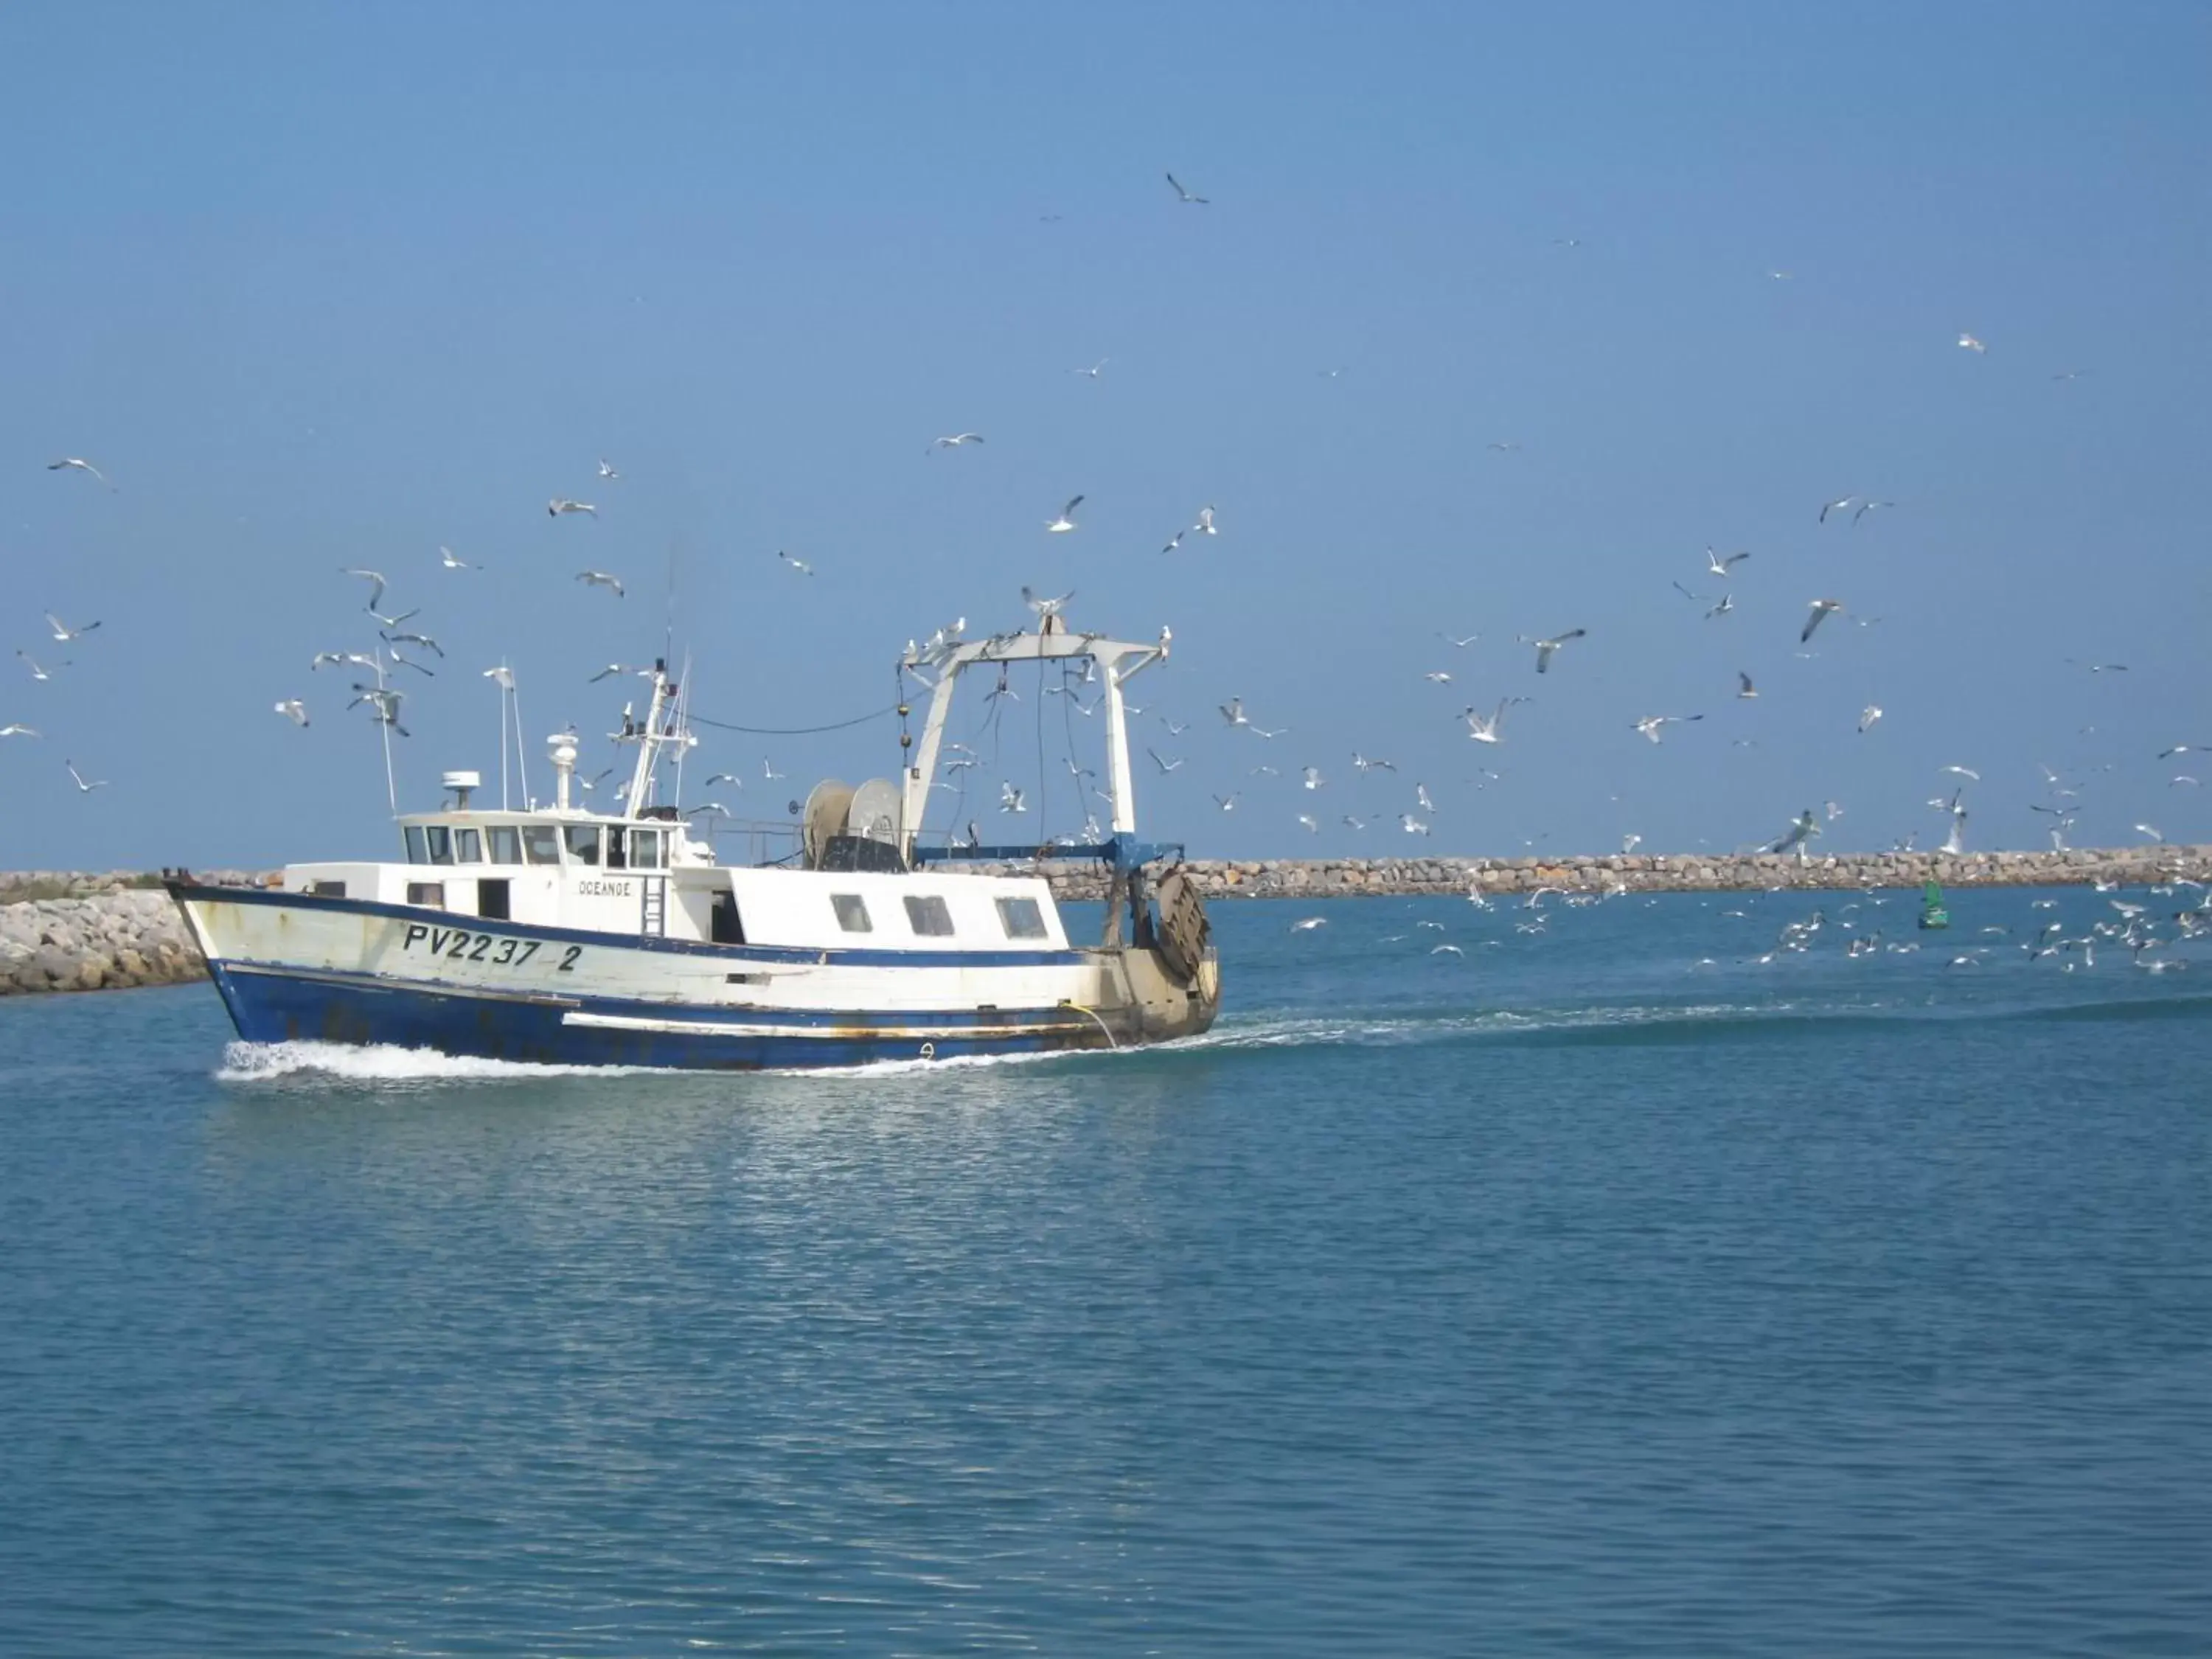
(68, 930)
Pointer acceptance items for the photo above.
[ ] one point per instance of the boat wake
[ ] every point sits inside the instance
(269, 1062)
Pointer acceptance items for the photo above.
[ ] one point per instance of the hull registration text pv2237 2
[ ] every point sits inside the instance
(460, 944)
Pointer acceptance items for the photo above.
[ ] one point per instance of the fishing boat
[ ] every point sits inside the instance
(558, 934)
(1933, 915)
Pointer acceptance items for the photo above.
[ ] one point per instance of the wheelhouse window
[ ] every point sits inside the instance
(430, 893)
(468, 847)
(927, 916)
(542, 842)
(441, 840)
(1021, 918)
(852, 913)
(645, 849)
(505, 844)
(418, 853)
(617, 851)
(584, 843)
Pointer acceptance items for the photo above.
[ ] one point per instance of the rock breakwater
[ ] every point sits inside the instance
(74, 931)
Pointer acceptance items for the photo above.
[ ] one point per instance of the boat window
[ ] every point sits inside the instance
(617, 855)
(327, 888)
(505, 844)
(1021, 918)
(583, 843)
(494, 899)
(441, 843)
(645, 849)
(416, 855)
(927, 915)
(724, 924)
(468, 847)
(852, 913)
(430, 893)
(542, 842)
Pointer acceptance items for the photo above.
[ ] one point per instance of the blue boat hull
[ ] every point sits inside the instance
(274, 1006)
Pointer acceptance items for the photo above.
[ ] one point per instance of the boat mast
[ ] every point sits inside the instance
(659, 728)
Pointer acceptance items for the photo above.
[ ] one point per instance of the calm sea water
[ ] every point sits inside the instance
(1601, 1291)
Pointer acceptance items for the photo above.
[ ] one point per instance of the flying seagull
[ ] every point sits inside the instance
(1233, 711)
(1822, 610)
(503, 676)
(1836, 506)
(16, 729)
(336, 658)
(37, 672)
(77, 464)
(1456, 643)
(1091, 372)
(1546, 649)
(1046, 609)
(1746, 688)
(1165, 766)
(1867, 716)
(1183, 195)
(599, 579)
(1795, 836)
(800, 566)
(1314, 779)
(954, 442)
(1968, 343)
(607, 469)
(294, 710)
(453, 562)
(83, 788)
(1486, 731)
(1720, 566)
(561, 504)
(1869, 506)
(615, 668)
(63, 632)
(423, 640)
(375, 580)
(1652, 727)
(1066, 521)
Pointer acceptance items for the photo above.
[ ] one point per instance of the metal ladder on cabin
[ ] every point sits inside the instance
(652, 899)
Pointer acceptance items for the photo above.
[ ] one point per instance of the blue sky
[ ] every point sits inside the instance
(324, 287)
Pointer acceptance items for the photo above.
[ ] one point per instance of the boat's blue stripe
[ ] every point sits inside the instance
(278, 1008)
(249, 974)
(416, 913)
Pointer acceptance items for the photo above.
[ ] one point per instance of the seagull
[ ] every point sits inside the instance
(1351, 822)
(769, 773)
(1727, 604)
(1459, 644)
(294, 710)
(63, 632)
(1312, 824)
(1446, 950)
(1165, 766)
(954, 442)
(84, 788)
(357, 659)
(1546, 649)
(1805, 826)
(423, 640)
(607, 469)
(1867, 507)
(1836, 506)
(1411, 826)
(1175, 728)
(1504, 447)
(1183, 195)
(1066, 521)
(1091, 372)
(1309, 924)
(1746, 688)
(1226, 803)
(706, 806)
(2182, 749)
(1360, 763)
(375, 580)
(2150, 829)
(1233, 711)
(1175, 541)
(1046, 608)
(1720, 566)
(398, 662)
(503, 676)
(1821, 610)
(445, 556)
(78, 464)
(1832, 810)
(1965, 772)
(1263, 732)
(599, 579)
(1867, 716)
(394, 622)
(17, 730)
(37, 672)
(561, 504)
(1438, 677)
(1205, 524)
(724, 777)
(1314, 779)
(1421, 797)
(608, 672)
(1486, 731)
(1651, 725)
(1968, 343)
